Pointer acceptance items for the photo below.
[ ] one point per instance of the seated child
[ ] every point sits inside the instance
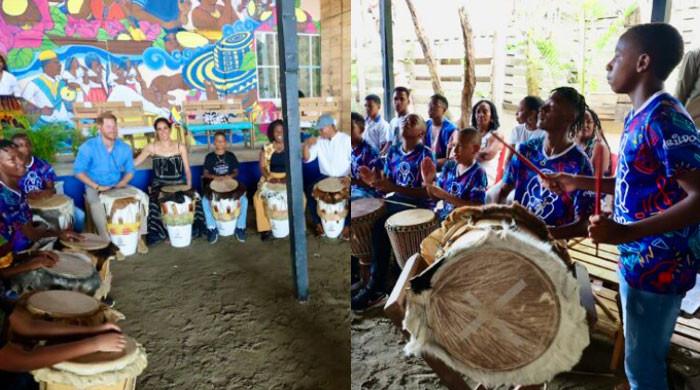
(221, 164)
(462, 181)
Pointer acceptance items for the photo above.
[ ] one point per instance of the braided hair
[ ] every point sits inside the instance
(597, 128)
(578, 103)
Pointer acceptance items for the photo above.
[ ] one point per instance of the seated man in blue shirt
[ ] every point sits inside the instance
(103, 163)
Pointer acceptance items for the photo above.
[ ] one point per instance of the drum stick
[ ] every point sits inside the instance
(520, 156)
(598, 150)
(386, 199)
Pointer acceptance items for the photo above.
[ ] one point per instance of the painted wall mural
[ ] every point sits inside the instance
(158, 52)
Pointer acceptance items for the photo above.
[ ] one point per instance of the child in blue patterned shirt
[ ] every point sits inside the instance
(463, 181)
(657, 200)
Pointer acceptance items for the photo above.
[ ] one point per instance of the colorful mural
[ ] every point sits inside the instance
(158, 52)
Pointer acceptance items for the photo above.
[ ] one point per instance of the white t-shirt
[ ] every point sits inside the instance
(334, 155)
(9, 84)
(521, 134)
(377, 132)
(395, 126)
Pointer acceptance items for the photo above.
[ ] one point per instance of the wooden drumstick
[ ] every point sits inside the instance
(520, 156)
(598, 151)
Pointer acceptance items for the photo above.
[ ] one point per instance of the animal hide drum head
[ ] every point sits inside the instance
(62, 304)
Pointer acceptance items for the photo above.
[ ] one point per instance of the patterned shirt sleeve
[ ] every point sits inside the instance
(50, 174)
(511, 173)
(675, 141)
(6, 256)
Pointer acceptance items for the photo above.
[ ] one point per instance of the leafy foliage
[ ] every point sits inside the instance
(46, 139)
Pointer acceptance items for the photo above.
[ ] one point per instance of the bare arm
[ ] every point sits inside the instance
(261, 162)
(24, 324)
(687, 77)
(145, 153)
(436, 192)
(491, 150)
(186, 162)
(576, 229)
(503, 193)
(125, 180)
(565, 182)
(86, 180)
(15, 358)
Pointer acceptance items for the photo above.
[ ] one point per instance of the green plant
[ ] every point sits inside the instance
(46, 139)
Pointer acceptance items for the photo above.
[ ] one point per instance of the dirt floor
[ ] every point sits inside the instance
(224, 316)
(378, 363)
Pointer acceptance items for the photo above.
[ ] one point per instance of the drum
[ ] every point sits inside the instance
(177, 205)
(100, 251)
(332, 196)
(498, 301)
(364, 213)
(97, 371)
(72, 271)
(406, 230)
(274, 197)
(226, 204)
(68, 307)
(124, 208)
(55, 211)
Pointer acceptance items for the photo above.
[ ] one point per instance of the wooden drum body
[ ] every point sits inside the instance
(73, 271)
(98, 371)
(498, 301)
(332, 197)
(364, 213)
(100, 251)
(56, 211)
(274, 196)
(124, 208)
(177, 205)
(406, 230)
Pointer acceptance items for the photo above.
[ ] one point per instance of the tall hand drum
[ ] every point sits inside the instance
(124, 208)
(274, 197)
(226, 204)
(177, 205)
(364, 213)
(55, 211)
(406, 230)
(72, 271)
(332, 197)
(498, 302)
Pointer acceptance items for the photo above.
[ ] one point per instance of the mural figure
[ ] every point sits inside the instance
(211, 15)
(96, 91)
(46, 92)
(23, 23)
(75, 76)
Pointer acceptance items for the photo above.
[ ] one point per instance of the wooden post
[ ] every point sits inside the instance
(387, 41)
(427, 51)
(469, 75)
(661, 11)
(289, 86)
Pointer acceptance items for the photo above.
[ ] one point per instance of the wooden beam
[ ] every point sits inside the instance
(387, 43)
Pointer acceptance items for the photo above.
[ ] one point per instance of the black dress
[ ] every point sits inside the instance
(168, 170)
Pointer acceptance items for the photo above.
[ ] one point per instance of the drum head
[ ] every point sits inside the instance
(364, 206)
(72, 265)
(223, 186)
(91, 242)
(129, 363)
(101, 357)
(175, 188)
(119, 193)
(330, 184)
(411, 217)
(62, 304)
(500, 306)
(51, 202)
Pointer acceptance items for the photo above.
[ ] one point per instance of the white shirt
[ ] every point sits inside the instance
(521, 134)
(36, 96)
(9, 84)
(377, 132)
(396, 126)
(333, 155)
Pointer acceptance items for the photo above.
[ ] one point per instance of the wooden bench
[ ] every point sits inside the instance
(603, 269)
(132, 121)
(238, 119)
(311, 109)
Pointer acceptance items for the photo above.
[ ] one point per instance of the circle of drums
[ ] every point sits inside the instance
(70, 292)
(489, 291)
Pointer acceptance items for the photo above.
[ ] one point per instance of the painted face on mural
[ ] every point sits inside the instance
(52, 67)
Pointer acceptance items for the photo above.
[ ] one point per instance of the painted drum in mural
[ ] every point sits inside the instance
(230, 66)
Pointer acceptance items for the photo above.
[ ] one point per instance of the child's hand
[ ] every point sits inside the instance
(109, 342)
(367, 175)
(428, 170)
(384, 185)
(43, 259)
(602, 229)
(107, 327)
(437, 192)
(559, 182)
